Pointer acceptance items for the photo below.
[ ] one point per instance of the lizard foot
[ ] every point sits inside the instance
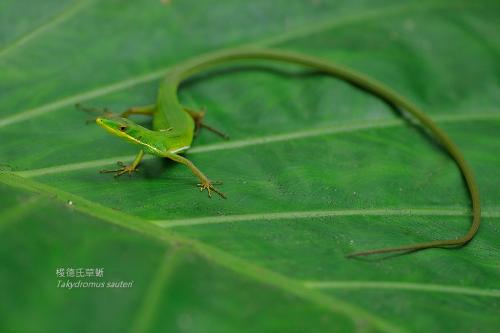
(123, 170)
(209, 186)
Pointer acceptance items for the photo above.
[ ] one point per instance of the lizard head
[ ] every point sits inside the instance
(122, 128)
(127, 130)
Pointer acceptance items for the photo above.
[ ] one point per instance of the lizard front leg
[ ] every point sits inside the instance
(147, 110)
(127, 168)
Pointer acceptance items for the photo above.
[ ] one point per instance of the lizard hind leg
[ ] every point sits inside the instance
(205, 183)
(198, 117)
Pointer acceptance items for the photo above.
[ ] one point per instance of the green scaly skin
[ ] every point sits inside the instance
(174, 126)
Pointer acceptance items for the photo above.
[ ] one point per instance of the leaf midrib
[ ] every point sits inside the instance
(208, 252)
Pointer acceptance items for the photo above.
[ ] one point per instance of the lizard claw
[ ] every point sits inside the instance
(124, 169)
(209, 186)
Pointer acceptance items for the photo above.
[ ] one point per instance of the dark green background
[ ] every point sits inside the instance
(315, 169)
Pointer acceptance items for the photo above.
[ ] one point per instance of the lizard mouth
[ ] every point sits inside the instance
(104, 124)
(99, 121)
(108, 126)
(112, 127)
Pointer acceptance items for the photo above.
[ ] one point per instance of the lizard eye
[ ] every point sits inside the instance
(123, 128)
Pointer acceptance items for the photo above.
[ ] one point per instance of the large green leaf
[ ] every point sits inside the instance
(315, 169)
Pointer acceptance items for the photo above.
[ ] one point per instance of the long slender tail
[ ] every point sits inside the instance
(376, 88)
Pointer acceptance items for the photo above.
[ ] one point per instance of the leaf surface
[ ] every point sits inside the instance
(315, 169)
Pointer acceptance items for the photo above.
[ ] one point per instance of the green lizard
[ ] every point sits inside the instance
(174, 125)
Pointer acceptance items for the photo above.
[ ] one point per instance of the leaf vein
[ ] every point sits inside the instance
(212, 254)
(315, 214)
(147, 310)
(62, 16)
(120, 85)
(394, 285)
(237, 144)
